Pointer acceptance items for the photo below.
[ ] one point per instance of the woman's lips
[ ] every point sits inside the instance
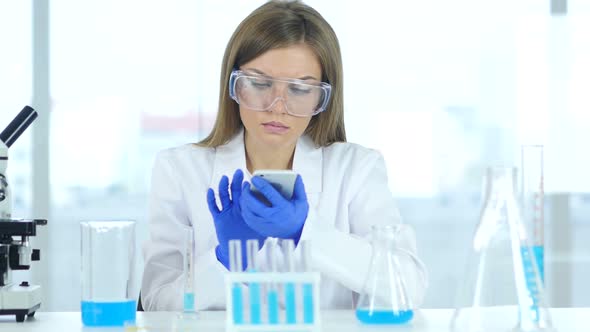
(275, 127)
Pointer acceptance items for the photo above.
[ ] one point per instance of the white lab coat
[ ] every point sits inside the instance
(347, 190)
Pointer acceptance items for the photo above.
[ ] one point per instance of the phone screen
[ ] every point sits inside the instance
(282, 180)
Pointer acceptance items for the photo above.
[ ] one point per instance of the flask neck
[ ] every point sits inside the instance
(501, 181)
(501, 212)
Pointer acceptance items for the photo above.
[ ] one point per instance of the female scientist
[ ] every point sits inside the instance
(280, 107)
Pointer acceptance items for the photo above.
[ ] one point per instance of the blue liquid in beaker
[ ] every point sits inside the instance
(384, 316)
(96, 313)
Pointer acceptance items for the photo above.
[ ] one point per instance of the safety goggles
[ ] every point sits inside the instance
(260, 93)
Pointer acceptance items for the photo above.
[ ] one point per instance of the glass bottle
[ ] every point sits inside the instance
(387, 297)
(502, 290)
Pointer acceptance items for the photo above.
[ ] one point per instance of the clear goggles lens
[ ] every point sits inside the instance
(261, 93)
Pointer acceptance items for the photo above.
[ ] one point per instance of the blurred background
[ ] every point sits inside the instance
(442, 88)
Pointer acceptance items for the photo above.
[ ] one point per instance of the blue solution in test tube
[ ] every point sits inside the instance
(238, 304)
(189, 295)
(273, 305)
(308, 303)
(235, 265)
(273, 294)
(189, 302)
(290, 304)
(252, 267)
(530, 276)
(308, 312)
(532, 200)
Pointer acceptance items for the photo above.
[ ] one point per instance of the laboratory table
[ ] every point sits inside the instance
(426, 320)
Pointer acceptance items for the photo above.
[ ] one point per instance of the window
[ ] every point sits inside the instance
(15, 87)
(442, 89)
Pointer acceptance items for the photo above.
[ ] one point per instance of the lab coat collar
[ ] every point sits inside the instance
(228, 158)
(307, 162)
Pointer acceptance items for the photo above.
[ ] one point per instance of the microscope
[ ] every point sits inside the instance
(19, 299)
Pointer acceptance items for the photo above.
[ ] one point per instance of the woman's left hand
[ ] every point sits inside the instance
(284, 218)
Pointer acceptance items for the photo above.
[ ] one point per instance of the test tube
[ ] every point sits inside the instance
(252, 267)
(235, 265)
(189, 272)
(532, 197)
(308, 316)
(290, 306)
(273, 294)
(532, 200)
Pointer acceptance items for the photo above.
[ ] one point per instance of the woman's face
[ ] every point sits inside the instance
(275, 128)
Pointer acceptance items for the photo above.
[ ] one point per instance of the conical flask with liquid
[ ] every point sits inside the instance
(502, 290)
(388, 294)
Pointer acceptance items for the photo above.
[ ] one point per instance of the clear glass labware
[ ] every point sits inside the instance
(532, 200)
(108, 263)
(189, 272)
(502, 290)
(388, 295)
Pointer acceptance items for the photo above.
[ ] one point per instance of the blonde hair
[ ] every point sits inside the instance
(279, 24)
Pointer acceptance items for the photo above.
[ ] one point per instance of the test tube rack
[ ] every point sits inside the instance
(280, 280)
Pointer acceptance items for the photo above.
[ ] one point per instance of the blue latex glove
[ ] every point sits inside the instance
(229, 224)
(284, 218)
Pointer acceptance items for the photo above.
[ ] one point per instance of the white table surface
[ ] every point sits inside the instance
(426, 320)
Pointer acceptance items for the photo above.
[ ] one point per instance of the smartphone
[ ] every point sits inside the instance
(282, 180)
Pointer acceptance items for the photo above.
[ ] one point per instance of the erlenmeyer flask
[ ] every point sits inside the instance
(502, 290)
(387, 296)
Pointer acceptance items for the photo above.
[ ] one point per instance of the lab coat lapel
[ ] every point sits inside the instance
(228, 158)
(308, 162)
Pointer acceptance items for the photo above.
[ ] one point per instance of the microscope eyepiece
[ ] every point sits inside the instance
(18, 125)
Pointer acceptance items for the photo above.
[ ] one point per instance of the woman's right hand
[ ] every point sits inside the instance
(229, 224)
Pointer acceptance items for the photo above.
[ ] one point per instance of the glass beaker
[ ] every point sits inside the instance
(387, 297)
(108, 263)
(502, 290)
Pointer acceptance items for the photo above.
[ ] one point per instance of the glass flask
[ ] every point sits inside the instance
(389, 292)
(108, 262)
(502, 290)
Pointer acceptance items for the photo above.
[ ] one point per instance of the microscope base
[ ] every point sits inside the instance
(20, 300)
(20, 313)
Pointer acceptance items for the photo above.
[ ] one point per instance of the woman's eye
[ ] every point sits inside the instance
(299, 90)
(260, 84)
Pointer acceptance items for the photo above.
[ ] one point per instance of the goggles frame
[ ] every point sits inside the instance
(326, 87)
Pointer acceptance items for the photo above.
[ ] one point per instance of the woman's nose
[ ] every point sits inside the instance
(279, 106)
